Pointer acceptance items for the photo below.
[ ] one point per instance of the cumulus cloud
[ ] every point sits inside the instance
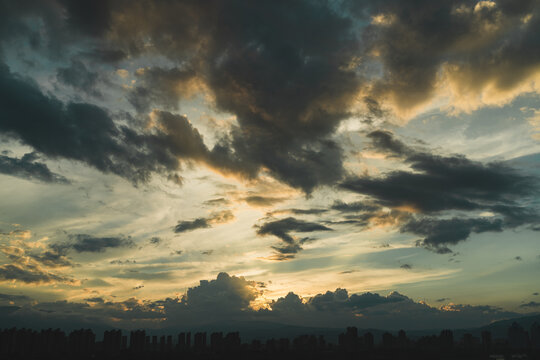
(232, 297)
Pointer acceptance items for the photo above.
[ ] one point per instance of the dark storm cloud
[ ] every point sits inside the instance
(476, 43)
(282, 69)
(79, 78)
(86, 133)
(287, 81)
(92, 244)
(204, 222)
(439, 183)
(91, 18)
(283, 228)
(290, 73)
(28, 168)
(103, 55)
(162, 87)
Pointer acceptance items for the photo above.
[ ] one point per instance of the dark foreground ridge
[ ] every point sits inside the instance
(82, 344)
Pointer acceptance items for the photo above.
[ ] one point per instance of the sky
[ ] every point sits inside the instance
(315, 163)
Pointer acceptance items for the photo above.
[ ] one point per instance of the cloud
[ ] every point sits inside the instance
(220, 217)
(440, 232)
(189, 225)
(225, 293)
(87, 243)
(217, 202)
(340, 299)
(122, 262)
(31, 274)
(288, 84)
(95, 300)
(28, 168)
(297, 212)
(257, 200)
(530, 304)
(79, 78)
(86, 133)
(14, 298)
(358, 206)
(256, 79)
(437, 184)
(246, 79)
(282, 229)
(33, 261)
(163, 87)
(231, 298)
(51, 258)
(424, 58)
(442, 182)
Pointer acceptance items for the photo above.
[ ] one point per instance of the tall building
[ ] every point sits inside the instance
(486, 341)
(535, 336)
(446, 339)
(136, 341)
(517, 337)
(112, 341)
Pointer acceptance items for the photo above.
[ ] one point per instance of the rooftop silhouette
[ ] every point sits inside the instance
(56, 344)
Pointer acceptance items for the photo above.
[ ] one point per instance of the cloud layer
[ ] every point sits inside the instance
(229, 298)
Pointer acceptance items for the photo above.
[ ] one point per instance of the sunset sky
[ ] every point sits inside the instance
(319, 163)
